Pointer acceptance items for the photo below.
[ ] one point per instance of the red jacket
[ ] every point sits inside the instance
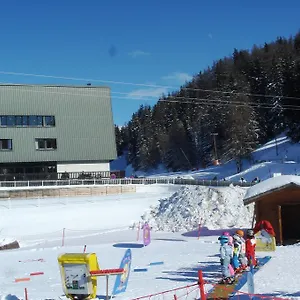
(250, 247)
(266, 225)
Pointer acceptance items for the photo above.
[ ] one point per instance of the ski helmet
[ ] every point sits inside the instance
(250, 232)
(226, 233)
(223, 239)
(237, 238)
(240, 232)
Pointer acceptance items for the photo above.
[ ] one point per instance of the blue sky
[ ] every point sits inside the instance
(149, 42)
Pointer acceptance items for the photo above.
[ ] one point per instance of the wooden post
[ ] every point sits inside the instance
(63, 237)
(26, 294)
(280, 225)
(107, 287)
(254, 215)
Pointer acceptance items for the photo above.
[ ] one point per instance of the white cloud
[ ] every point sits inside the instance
(137, 53)
(178, 77)
(147, 93)
(210, 35)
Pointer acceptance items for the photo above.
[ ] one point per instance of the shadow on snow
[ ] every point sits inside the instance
(204, 231)
(128, 245)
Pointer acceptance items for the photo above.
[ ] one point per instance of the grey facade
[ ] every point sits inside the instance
(64, 125)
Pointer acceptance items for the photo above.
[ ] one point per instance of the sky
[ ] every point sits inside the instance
(152, 46)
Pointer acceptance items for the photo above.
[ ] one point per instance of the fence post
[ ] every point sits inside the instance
(201, 285)
(63, 237)
(26, 294)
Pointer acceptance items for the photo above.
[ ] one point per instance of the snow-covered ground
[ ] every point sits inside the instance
(104, 224)
(277, 156)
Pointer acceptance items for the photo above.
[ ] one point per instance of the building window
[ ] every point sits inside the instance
(11, 121)
(36, 121)
(45, 144)
(3, 120)
(49, 121)
(19, 120)
(5, 144)
(25, 121)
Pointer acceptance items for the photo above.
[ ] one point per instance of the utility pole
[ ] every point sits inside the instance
(214, 134)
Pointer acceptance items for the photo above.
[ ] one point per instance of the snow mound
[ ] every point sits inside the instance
(217, 208)
(6, 241)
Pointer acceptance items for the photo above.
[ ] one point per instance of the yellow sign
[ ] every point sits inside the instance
(264, 241)
(75, 275)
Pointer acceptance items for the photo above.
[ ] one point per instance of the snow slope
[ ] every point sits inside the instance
(277, 156)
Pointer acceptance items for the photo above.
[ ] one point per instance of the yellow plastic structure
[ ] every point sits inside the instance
(265, 242)
(75, 275)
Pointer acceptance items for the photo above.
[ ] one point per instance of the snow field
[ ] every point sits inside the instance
(103, 224)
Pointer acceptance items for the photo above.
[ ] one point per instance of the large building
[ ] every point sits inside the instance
(47, 129)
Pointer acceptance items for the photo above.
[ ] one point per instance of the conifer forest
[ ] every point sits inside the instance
(223, 113)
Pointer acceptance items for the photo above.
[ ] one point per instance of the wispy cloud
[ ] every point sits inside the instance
(149, 93)
(210, 36)
(137, 53)
(178, 77)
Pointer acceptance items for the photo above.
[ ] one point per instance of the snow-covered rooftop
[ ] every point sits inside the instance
(270, 185)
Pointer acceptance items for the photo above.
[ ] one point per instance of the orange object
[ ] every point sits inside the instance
(107, 272)
(36, 273)
(22, 279)
(240, 232)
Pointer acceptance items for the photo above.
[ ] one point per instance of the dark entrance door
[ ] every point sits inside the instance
(290, 223)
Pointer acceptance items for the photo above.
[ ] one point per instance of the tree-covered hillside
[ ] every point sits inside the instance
(245, 99)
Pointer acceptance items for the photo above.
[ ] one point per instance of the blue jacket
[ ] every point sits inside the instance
(226, 252)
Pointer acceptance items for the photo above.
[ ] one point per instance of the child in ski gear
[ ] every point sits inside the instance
(236, 252)
(242, 256)
(225, 257)
(230, 243)
(250, 248)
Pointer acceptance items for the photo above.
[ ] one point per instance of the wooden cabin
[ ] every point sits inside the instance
(277, 200)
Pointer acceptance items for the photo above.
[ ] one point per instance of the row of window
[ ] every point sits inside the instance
(40, 144)
(27, 121)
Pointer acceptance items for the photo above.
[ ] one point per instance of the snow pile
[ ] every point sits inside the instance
(6, 241)
(217, 208)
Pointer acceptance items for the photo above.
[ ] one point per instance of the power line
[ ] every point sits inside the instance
(216, 102)
(241, 93)
(86, 79)
(174, 99)
(150, 85)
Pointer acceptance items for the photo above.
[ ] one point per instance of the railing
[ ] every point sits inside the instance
(61, 176)
(122, 181)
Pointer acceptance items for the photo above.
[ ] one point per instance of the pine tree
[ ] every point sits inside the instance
(243, 128)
